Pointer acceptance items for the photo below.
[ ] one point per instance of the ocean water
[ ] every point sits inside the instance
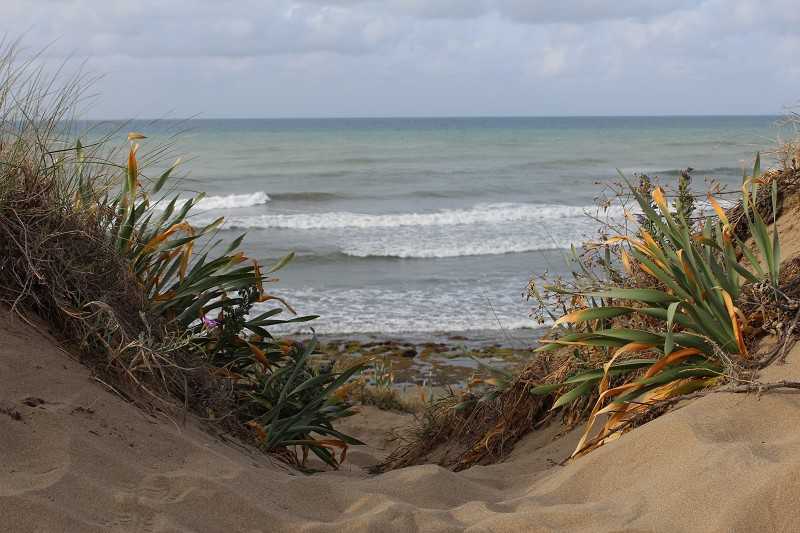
(422, 225)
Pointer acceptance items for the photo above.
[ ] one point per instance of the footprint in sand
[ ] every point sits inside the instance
(35, 452)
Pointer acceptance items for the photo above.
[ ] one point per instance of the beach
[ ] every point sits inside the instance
(402, 266)
(79, 458)
(85, 450)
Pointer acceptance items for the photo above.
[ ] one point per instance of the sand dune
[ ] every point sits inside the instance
(81, 459)
(75, 457)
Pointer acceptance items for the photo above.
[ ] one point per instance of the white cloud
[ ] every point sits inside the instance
(386, 57)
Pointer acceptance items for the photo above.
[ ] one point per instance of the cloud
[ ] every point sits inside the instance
(388, 57)
(527, 11)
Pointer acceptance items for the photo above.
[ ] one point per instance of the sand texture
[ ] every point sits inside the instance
(75, 457)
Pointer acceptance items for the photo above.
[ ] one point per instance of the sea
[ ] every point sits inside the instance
(426, 225)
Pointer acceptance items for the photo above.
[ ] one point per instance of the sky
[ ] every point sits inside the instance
(332, 58)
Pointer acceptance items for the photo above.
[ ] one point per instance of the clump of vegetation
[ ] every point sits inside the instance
(479, 426)
(687, 315)
(376, 387)
(669, 310)
(161, 309)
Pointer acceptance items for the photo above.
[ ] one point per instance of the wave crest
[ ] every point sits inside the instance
(502, 213)
(233, 201)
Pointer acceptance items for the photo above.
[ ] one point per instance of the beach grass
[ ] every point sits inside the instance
(105, 253)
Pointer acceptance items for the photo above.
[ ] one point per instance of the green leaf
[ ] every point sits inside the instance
(164, 177)
(280, 264)
(669, 343)
(594, 313)
(581, 390)
(641, 295)
(547, 388)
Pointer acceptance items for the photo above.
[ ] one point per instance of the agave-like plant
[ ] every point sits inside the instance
(286, 402)
(292, 402)
(698, 279)
(159, 243)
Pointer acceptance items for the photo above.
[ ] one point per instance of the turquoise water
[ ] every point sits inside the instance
(433, 224)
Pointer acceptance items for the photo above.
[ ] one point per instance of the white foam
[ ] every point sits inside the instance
(231, 201)
(480, 214)
(366, 310)
(426, 248)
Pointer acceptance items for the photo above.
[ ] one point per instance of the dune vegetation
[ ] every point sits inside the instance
(677, 301)
(97, 241)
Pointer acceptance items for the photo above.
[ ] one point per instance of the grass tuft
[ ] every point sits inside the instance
(161, 310)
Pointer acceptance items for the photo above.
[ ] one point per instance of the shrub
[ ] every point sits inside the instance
(688, 312)
(96, 248)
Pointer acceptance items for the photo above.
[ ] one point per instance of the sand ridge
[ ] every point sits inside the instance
(81, 459)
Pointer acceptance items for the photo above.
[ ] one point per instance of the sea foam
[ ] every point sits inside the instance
(233, 201)
(230, 201)
(499, 213)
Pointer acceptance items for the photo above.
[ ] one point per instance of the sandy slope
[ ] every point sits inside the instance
(74, 457)
(80, 459)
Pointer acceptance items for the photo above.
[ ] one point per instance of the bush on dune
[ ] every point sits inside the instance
(160, 309)
(670, 310)
(686, 309)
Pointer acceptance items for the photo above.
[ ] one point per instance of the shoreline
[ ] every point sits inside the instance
(432, 359)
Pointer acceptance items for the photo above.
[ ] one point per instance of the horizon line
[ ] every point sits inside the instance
(434, 117)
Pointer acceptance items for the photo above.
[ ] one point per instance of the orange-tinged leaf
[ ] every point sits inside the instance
(259, 355)
(257, 272)
(617, 239)
(631, 347)
(260, 433)
(153, 243)
(627, 262)
(288, 345)
(327, 443)
(237, 258)
(187, 254)
(591, 313)
(565, 343)
(164, 296)
(660, 200)
(642, 247)
(133, 165)
(646, 270)
(268, 297)
(686, 268)
(649, 250)
(720, 212)
(595, 412)
(621, 410)
(672, 358)
(737, 330)
(605, 392)
(649, 240)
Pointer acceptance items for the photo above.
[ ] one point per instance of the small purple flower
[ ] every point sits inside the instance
(209, 323)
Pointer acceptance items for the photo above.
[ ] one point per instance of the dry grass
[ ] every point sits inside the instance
(55, 260)
(83, 248)
(462, 430)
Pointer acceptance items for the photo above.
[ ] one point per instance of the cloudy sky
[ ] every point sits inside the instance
(312, 58)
